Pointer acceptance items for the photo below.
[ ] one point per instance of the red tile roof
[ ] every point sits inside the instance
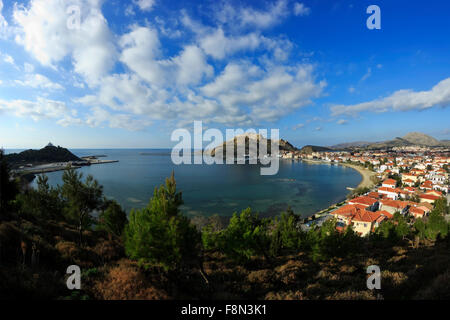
(364, 200)
(429, 196)
(385, 213)
(349, 210)
(386, 189)
(416, 211)
(395, 203)
(366, 216)
(390, 182)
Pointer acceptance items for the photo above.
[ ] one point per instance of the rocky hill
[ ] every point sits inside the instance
(310, 149)
(252, 143)
(421, 139)
(45, 155)
(347, 145)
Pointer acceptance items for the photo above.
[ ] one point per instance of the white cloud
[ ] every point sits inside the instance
(301, 10)
(100, 116)
(142, 54)
(28, 68)
(402, 100)
(243, 94)
(145, 5)
(141, 48)
(4, 27)
(342, 121)
(219, 46)
(69, 121)
(234, 76)
(192, 66)
(39, 81)
(266, 95)
(39, 109)
(43, 31)
(152, 85)
(351, 89)
(367, 74)
(250, 17)
(298, 126)
(8, 59)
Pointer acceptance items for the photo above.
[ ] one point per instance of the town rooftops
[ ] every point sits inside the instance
(363, 200)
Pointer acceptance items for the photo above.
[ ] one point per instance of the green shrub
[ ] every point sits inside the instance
(159, 234)
(245, 236)
(112, 219)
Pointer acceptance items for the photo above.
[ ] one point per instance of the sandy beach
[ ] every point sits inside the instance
(365, 173)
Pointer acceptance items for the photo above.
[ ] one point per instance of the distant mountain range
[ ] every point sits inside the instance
(410, 139)
(45, 155)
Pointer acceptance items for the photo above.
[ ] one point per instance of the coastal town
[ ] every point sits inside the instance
(404, 180)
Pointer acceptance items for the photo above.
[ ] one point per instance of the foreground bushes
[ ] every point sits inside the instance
(159, 234)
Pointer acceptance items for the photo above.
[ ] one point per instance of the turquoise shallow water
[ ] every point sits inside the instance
(218, 189)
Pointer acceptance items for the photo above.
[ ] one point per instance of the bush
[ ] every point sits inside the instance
(112, 219)
(43, 203)
(245, 236)
(159, 234)
(286, 236)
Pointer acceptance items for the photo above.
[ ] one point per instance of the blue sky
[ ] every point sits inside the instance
(133, 71)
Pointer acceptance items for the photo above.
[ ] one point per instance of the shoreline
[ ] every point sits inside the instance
(365, 173)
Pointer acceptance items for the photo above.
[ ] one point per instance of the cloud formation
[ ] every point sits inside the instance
(43, 31)
(226, 72)
(401, 100)
(301, 10)
(39, 109)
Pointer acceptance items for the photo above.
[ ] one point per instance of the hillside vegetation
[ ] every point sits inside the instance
(158, 253)
(44, 155)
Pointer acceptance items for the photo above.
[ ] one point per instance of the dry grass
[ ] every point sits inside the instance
(126, 281)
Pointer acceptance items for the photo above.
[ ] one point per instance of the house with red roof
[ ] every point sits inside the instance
(366, 201)
(434, 192)
(389, 192)
(427, 185)
(409, 176)
(365, 222)
(430, 198)
(425, 206)
(393, 206)
(389, 183)
(417, 212)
